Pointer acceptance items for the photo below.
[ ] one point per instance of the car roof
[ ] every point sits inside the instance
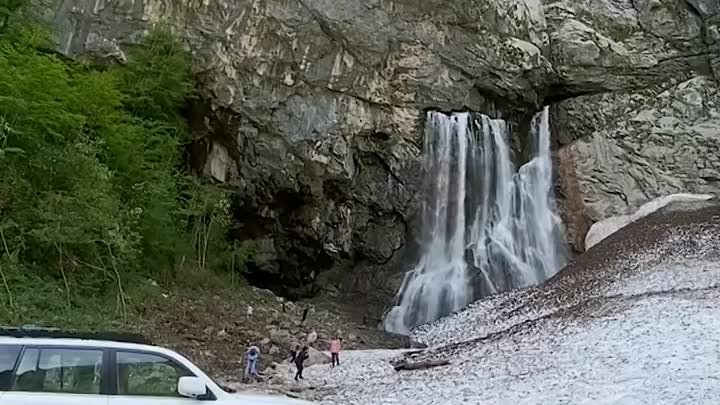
(78, 342)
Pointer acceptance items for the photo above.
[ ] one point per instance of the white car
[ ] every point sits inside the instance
(36, 369)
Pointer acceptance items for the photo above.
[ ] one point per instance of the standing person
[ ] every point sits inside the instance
(252, 356)
(294, 352)
(335, 348)
(299, 360)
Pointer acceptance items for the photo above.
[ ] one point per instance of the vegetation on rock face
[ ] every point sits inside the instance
(94, 202)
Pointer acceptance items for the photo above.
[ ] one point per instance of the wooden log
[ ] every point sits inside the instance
(411, 353)
(421, 365)
(304, 315)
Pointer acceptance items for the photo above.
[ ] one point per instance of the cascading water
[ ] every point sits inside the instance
(486, 228)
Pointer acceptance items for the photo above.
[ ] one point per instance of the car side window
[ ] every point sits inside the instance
(59, 370)
(148, 374)
(8, 357)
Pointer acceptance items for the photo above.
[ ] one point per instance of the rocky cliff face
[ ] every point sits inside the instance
(312, 108)
(623, 148)
(633, 147)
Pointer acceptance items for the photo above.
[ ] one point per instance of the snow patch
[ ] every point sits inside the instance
(659, 349)
(637, 329)
(641, 328)
(602, 229)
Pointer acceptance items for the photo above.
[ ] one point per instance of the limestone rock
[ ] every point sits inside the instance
(311, 109)
(316, 357)
(635, 147)
(280, 337)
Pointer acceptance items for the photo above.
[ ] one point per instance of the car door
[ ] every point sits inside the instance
(144, 378)
(57, 376)
(9, 355)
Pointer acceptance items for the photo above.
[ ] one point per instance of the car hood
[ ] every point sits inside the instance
(251, 399)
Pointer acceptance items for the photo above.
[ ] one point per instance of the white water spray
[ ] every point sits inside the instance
(486, 228)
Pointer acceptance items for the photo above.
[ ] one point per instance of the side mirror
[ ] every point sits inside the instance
(191, 387)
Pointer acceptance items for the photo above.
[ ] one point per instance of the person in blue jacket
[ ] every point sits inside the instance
(251, 359)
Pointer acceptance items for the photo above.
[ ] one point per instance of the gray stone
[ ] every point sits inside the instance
(668, 143)
(280, 337)
(316, 357)
(706, 8)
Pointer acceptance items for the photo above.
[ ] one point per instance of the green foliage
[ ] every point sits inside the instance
(207, 214)
(9, 9)
(155, 81)
(240, 254)
(92, 197)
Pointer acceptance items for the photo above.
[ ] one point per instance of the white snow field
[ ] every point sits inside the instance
(637, 322)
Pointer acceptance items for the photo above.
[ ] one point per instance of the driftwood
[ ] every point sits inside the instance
(304, 315)
(420, 365)
(410, 353)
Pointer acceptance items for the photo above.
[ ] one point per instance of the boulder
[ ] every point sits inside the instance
(277, 373)
(281, 337)
(316, 357)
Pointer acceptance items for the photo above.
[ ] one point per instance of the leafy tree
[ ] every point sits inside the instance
(92, 194)
(8, 10)
(157, 79)
(240, 253)
(206, 211)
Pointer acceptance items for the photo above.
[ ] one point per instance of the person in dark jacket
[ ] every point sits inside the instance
(294, 352)
(299, 359)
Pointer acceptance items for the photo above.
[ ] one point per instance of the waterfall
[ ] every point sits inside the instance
(486, 227)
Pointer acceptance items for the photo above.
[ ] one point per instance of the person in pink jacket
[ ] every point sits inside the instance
(335, 351)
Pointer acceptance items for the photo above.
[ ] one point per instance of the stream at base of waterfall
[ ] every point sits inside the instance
(486, 227)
